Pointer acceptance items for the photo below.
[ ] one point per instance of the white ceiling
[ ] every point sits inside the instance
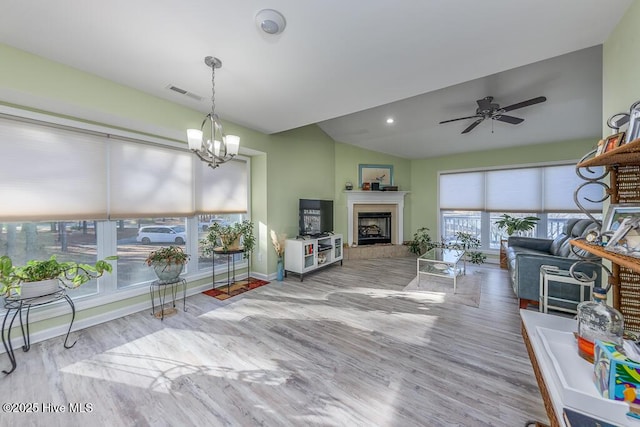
(344, 64)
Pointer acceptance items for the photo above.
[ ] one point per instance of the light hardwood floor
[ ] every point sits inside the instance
(345, 347)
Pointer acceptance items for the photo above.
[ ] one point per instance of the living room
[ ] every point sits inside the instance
(302, 162)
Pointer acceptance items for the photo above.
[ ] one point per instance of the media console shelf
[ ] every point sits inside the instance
(302, 256)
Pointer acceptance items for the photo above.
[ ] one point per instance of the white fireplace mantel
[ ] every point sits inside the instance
(395, 198)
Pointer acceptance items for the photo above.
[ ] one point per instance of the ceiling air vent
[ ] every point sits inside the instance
(185, 92)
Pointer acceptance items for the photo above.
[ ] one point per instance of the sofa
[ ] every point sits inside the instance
(525, 255)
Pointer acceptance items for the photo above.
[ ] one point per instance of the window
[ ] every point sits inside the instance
(123, 194)
(136, 238)
(473, 201)
(207, 261)
(66, 240)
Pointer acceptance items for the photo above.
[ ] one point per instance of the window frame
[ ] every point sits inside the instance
(106, 229)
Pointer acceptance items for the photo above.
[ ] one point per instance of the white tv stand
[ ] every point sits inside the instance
(304, 255)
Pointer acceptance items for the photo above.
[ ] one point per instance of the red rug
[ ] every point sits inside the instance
(236, 288)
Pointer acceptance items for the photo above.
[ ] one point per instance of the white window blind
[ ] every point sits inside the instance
(561, 182)
(462, 191)
(147, 180)
(224, 189)
(50, 173)
(534, 189)
(511, 189)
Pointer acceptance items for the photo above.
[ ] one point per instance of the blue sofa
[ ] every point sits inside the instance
(525, 255)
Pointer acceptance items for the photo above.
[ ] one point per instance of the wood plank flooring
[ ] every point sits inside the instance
(345, 347)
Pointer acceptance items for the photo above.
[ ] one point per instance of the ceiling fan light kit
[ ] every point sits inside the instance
(487, 109)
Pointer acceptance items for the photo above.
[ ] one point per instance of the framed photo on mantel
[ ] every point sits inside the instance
(377, 176)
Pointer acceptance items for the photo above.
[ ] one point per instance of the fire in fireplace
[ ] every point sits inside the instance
(374, 227)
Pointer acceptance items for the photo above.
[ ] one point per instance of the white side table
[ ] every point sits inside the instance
(550, 273)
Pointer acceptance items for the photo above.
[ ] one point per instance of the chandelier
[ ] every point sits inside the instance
(215, 148)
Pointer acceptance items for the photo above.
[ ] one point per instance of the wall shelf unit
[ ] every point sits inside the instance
(302, 256)
(623, 167)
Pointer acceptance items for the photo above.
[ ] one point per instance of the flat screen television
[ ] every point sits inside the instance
(315, 217)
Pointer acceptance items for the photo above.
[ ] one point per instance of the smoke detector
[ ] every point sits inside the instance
(270, 21)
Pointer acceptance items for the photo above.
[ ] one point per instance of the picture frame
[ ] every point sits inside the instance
(600, 148)
(617, 213)
(382, 175)
(633, 132)
(613, 141)
(626, 239)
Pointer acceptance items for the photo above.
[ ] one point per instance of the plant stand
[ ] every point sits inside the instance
(17, 305)
(161, 287)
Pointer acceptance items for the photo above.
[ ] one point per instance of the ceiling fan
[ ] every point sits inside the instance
(488, 110)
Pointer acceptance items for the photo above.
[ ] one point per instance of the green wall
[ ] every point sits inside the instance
(347, 160)
(621, 66)
(424, 173)
(285, 166)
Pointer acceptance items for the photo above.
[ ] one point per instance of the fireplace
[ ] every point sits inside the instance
(374, 227)
(389, 202)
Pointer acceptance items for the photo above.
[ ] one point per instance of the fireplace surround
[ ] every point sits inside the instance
(376, 201)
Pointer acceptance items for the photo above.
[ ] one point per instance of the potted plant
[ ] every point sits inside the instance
(421, 242)
(510, 225)
(229, 237)
(37, 277)
(466, 242)
(167, 262)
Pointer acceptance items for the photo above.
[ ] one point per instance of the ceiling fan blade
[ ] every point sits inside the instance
(472, 126)
(461, 118)
(523, 104)
(509, 119)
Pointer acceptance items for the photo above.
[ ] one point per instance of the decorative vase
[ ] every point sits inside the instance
(167, 272)
(280, 277)
(38, 289)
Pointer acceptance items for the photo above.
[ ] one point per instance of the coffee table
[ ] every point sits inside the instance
(442, 263)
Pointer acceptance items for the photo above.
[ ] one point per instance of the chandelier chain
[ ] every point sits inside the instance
(213, 89)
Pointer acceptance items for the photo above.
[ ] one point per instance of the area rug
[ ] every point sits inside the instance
(236, 288)
(468, 287)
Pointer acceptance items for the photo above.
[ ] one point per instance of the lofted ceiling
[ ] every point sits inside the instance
(346, 66)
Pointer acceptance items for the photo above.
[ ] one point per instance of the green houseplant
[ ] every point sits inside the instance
(511, 224)
(167, 262)
(229, 237)
(42, 277)
(421, 242)
(466, 242)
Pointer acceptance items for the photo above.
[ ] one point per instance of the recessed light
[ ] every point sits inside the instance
(390, 120)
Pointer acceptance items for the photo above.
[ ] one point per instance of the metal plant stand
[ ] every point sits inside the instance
(161, 289)
(15, 306)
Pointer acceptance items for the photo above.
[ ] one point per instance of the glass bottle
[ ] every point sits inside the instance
(597, 321)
